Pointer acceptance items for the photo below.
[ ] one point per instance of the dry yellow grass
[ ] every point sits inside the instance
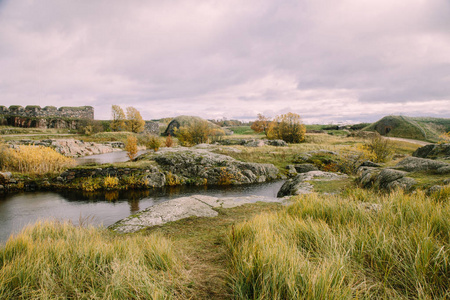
(34, 160)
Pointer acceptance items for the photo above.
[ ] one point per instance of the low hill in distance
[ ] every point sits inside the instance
(419, 128)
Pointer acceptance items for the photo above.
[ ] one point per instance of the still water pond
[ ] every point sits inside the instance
(19, 210)
(106, 158)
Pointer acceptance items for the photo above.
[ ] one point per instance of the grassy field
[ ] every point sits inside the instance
(347, 243)
(323, 247)
(358, 244)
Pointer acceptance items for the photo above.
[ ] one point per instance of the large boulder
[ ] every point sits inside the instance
(212, 168)
(386, 179)
(162, 213)
(433, 151)
(415, 164)
(386, 176)
(304, 168)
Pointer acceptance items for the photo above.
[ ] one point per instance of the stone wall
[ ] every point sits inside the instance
(34, 111)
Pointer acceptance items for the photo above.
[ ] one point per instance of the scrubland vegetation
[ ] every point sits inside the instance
(33, 160)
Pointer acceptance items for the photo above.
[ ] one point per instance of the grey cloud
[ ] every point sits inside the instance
(180, 55)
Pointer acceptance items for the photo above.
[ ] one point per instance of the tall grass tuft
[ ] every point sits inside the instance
(339, 247)
(54, 260)
(34, 159)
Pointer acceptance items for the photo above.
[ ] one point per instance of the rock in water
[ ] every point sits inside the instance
(300, 185)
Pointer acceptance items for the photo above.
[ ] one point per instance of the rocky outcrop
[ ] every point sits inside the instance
(300, 168)
(150, 177)
(182, 167)
(386, 179)
(433, 151)
(73, 148)
(216, 169)
(415, 164)
(253, 142)
(301, 185)
(180, 208)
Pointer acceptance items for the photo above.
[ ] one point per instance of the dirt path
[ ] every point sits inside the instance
(422, 143)
(202, 244)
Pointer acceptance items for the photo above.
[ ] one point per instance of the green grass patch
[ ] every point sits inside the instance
(427, 179)
(242, 130)
(332, 186)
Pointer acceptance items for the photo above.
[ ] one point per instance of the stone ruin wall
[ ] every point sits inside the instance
(81, 112)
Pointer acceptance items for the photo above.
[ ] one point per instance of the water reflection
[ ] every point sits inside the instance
(106, 158)
(104, 208)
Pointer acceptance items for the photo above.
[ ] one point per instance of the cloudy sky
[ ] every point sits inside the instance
(327, 60)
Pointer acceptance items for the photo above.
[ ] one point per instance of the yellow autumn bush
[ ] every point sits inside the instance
(34, 159)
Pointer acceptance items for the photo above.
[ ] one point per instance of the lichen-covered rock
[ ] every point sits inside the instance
(433, 151)
(443, 170)
(162, 213)
(404, 183)
(367, 176)
(300, 185)
(304, 168)
(202, 165)
(369, 163)
(277, 143)
(5, 177)
(386, 179)
(387, 176)
(415, 164)
(72, 147)
(180, 208)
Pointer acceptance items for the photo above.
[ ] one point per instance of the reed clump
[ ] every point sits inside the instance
(55, 260)
(33, 160)
(357, 245)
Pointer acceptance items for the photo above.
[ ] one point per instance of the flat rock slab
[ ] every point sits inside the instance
(181, 208)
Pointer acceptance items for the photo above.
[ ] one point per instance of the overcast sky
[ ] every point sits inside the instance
(327, 60)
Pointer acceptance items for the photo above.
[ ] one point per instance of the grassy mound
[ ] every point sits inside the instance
(427, 129)
(185, 121)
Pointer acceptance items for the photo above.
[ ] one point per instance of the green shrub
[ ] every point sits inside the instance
(195, 133)
(381, 148)
(150, 141)
(288, 127)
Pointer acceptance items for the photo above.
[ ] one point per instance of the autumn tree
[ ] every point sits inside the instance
(195, 133)
(131, 146)
(288, 127)
(261, 124)
(135, 123)
(118, 118)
